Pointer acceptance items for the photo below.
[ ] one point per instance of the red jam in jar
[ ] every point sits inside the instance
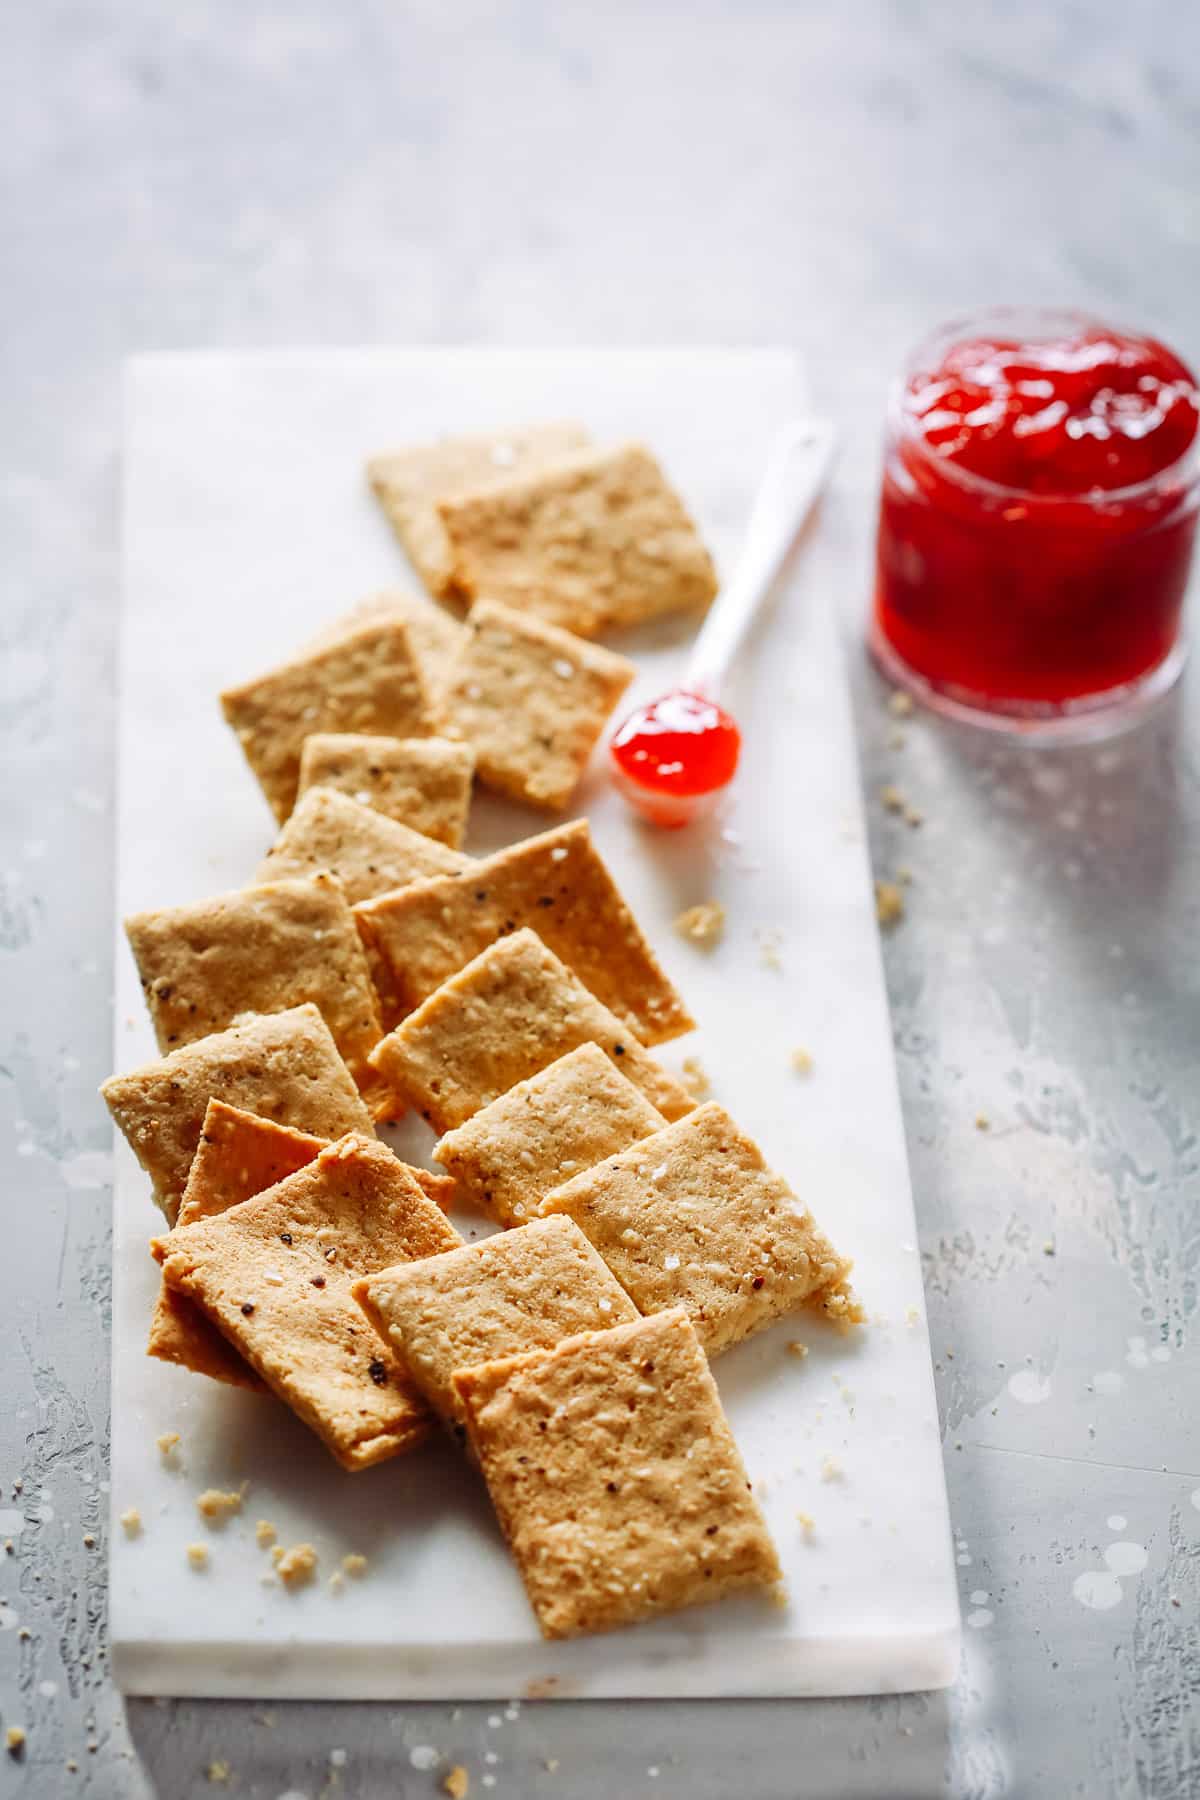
(1039, 504)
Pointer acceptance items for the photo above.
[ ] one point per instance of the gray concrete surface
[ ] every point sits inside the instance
(836, 176)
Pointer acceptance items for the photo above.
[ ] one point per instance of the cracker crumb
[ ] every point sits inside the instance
(893, 800)
(900, 704)
(215, 1505)
(131, 1519)
(550, 1765)
(695, 1078)
(14, 1740)
(197, 1555)
(264, 1534)
(277, 1554)
(770, 947)
(703, 925)
(889, 904)
(355, 1565)
(218, 1771)
(904, 876)
(831, 1469)
(913, 816)
(297, 1566)
(89, 1541)
(457, 1783)
(802, 1061)
(168, 1443)
(337, 1582)
(807, 1523)
(796, 1348)
(982, 1122)
(912, 1315)
(1048, 1248)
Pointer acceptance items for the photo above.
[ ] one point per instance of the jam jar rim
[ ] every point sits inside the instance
(1181, 474)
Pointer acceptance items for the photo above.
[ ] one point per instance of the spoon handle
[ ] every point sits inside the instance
(796, 469)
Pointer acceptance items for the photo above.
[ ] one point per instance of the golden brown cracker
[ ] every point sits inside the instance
(424, 783)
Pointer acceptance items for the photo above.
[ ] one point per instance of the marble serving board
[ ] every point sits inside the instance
(247, 525)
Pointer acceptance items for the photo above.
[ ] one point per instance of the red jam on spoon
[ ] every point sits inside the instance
(674, 753)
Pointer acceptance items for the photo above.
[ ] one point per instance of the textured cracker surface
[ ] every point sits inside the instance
(531, 700)
(424, 783)
(275, 1276)
(599, 540)
(520, 1290)
(409, 483)
(435, 634)
(693, 1217)
(238, 1155)
(615, 1476)
(368, 680)
(557, 884)
(368, 853)
(509, 1013)
(572, 1115)
(257, 950)
(282, 1066)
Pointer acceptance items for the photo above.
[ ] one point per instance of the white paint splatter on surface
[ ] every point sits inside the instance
(1126, 1558)
(1097, 1589)
(89, 1169)
(1108, 1381)
(1117, 1522)
(1030, 1388)
(424, 1756)
(1136, 1357)
(979, 1618)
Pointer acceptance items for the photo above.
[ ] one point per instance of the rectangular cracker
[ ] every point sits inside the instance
(539, 1134)
(436, 635)
(531, 700)
(262, 950)
(693, 1217)
(367, 680)
(284, 1066)
(598, 540)
(275, 1276)
(369, 854)
(557, 884)
(508, 1014)
(615, 1476)
(424, 783)
(409, 483)
(238, 1156)
(520, 1290)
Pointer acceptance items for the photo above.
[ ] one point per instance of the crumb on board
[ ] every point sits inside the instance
(695, 1078)
(889, 904)
(893, 800)
(551, 1765)
(1048, 1248)
(297, 1566)
(982, 1122)
(337, 1582)
(904, 876)
(277, 1554)
(197, 1555)
(89, 1540)
(218, 1771)
(806, 1523)
(131, 1519)
(264, 1534)
(900, 704)
(215, 1505)
(770, 947)
(831, 1469)
(796, 1348)
(912, 1315)
(457, 1783)
(703, 924)
(896, 740)
(913, 816)
(801, 1061)
(168, 1443)
(355, 1565)
(14, 1740)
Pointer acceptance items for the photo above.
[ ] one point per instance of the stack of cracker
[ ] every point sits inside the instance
(371, 965)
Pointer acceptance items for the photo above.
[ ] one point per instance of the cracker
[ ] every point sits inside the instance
(238, 1155)
(615, 1476)
(284, 1066)
(424, 783)
(520, 1290)
(409, 483)
(509, 1013)
(436, 635)
(693, 1217)
(369, 680)
(559, 886)
(531, 700)
(543, 1131)
(261, 950)
(598, 540)
(368, 853)
(275, 1275)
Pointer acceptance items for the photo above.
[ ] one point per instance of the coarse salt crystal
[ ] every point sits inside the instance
(670, 1262)
(605, 1305)
(563, 668)
(558, 854)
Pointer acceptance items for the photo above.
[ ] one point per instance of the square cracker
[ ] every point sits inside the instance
(368, 680)
(275, 1275)
(424, 783)
(531, 700)
(558, 885)
(520, 1290)
(693, 1217)
(598, 540)
(259, 949)
(238, 1155)
(409, 483)
(615, 1476)
(436, 635)
(369, 854)
(506, 1015)
(539, 1134)
(282, 1066)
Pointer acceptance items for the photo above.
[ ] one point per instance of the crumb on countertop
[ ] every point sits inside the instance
(912, 1315)
(298, 1566)
(457, 1783)
(14, 1740)
(695, 1078)
(982, 1122)
(355, 1565)
(264, 1534)
(215, 1505)
(900, 704)
(893, 800)
(807, 1523)
(218, 1771)
(168, 1442)
(913, 816)
(703, 924)
(197, 1555)
(131, 1519)
(831, 1469)
(889, 904)
(796, 1348)
(801, 1061)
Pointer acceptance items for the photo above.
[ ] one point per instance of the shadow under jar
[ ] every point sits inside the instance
(1040, 490)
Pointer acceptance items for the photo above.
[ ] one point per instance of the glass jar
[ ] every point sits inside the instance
(1040, 490)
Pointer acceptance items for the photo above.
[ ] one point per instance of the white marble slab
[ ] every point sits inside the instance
(247, 524)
